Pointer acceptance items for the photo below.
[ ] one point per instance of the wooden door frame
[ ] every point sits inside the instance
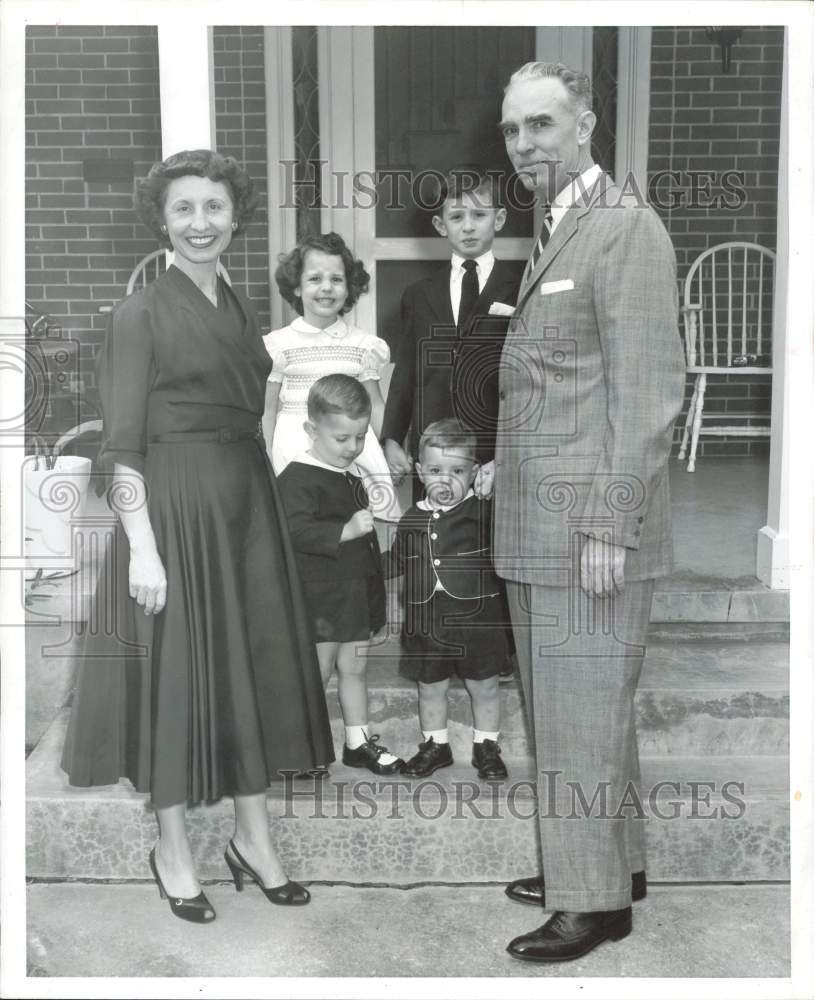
(347, 136)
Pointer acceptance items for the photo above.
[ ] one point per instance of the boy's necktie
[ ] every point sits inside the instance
(542, 239)
(469, 292)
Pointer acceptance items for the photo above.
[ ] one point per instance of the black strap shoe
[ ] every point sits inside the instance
(367, 755)
(430, 757)
(486, 758)
(567, 936)
(532, 890)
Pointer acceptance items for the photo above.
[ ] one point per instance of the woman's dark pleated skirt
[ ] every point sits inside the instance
(220, 691)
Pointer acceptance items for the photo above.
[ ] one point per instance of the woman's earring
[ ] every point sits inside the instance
(234, 226)
(164, 230)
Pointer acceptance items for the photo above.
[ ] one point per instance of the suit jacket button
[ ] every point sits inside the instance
(558, 377)
(641, 520)
(502, 394)
(436, 562)
(435, 514)
(433, 536)
(637, 533)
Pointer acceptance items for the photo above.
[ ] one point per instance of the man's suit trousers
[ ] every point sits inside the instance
(579, 661)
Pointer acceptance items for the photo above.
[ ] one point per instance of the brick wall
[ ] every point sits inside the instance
(240, 125)
(91, 92)
(702, 119)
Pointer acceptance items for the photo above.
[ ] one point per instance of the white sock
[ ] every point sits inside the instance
(478, 736)
(436, 735)
(355, 736)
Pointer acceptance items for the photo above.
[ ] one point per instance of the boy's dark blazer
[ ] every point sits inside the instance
(459, 375)
(318, 504)
(452, 546)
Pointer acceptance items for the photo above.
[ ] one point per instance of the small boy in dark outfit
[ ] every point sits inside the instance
(455, 617)
(338, 557)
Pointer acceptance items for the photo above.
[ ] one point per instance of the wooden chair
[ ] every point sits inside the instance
(727, 310)
(147, 270)
(154, 264)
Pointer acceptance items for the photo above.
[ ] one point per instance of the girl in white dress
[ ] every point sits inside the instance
(321, 279)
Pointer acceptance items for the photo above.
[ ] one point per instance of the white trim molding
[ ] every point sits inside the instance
(633, 106)
(572, 46)
(347, 144)
(281, 154)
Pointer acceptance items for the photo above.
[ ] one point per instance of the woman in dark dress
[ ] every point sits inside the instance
(209, 685)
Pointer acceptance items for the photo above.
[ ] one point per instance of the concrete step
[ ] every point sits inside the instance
(449, 828)
(694, 697)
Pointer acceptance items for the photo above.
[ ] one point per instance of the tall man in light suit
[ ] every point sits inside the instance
(591, 381)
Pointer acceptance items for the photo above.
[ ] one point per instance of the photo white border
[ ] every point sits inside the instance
(14, 15)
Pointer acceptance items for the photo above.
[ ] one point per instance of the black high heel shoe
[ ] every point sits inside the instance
(198, 909)
(288, 894)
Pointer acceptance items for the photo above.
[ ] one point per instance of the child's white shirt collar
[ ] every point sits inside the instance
(485, 263)
(308, 459)
(424, 505)
(337, 329)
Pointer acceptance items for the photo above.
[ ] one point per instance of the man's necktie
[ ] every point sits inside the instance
(469, 292)
(542, 239)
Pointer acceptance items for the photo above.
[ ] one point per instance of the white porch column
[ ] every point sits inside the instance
(187, 84)
(773, 537)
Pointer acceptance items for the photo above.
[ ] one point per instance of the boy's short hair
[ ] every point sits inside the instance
(338, 394)
(468, 179)
(449, 433)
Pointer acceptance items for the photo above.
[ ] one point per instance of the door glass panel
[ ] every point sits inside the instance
(438, 100)
(305, 79)
(605, 81)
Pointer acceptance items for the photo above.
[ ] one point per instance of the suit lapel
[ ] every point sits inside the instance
(438, 297)
(567, 227)
(501, 286)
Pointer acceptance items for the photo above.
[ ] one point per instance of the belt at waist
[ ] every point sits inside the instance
(222, 435)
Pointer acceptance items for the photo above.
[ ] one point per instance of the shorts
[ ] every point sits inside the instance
(448, 636)
(346, 610)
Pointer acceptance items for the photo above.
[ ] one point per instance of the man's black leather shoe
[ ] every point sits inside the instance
(430, 757)
(532, 890)
(486, 758)
(567, 936)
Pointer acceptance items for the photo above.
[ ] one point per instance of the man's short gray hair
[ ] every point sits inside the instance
(577, 84)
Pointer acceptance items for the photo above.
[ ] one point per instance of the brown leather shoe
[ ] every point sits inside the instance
(532, 890)
(567, 936)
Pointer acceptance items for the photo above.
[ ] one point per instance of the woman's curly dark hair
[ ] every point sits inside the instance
(289, 271)
(151, 192)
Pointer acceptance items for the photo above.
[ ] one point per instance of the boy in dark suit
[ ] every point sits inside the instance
(453, 327)
(455, 619)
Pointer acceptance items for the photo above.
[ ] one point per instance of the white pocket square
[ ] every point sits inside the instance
(501, 309)
(550, 287)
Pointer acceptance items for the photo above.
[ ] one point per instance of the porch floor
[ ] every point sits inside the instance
(718, 511)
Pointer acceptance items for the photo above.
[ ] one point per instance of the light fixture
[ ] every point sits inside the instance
(726, 38)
